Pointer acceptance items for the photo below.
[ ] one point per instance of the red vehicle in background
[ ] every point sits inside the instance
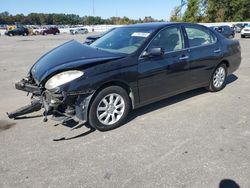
(52, 30)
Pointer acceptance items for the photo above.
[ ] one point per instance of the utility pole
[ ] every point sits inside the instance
(93, 1)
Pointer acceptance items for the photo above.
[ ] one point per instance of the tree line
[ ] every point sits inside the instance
(66, 19)
(213, 11)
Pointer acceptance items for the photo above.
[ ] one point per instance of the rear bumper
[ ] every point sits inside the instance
(235, 63)
(245, 34)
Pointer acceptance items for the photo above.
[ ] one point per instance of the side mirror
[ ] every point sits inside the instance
(153, 52)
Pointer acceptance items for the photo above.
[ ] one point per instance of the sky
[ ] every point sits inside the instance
(159, 9)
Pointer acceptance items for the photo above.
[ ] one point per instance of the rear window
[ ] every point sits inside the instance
(199, 36)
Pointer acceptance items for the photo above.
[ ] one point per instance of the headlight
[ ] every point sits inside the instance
(63, 78)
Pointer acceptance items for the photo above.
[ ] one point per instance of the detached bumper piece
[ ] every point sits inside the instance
(28, 86)
(63, 106)
(33, 107)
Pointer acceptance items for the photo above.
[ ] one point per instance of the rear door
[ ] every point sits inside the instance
(163, 75)
(204, 53)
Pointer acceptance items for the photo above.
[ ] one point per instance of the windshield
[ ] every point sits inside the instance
(123, 40)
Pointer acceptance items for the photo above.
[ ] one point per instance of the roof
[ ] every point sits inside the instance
(151, 25)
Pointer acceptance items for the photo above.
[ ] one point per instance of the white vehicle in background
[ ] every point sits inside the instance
(78, 31)
(37, 30)
(3, 29)
(245, 32)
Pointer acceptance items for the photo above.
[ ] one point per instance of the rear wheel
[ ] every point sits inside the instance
(218, 80)
(109, 108)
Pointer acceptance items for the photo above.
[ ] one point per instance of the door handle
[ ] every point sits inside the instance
(217, 51)
(184, 57)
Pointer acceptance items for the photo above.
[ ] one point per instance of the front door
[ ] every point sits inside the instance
(164, 75)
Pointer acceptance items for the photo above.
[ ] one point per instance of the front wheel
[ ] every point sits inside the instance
(109, 108)
(218, 80)
(243, 36)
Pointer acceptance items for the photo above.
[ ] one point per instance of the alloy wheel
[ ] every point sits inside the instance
(111, 109)
(219, 77)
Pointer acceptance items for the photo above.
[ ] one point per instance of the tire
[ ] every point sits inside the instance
(10, 34)
(218, 78)
(243, 36)
(25, 34)
(114, 113)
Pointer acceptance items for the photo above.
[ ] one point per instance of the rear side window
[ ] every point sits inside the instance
(199, 36)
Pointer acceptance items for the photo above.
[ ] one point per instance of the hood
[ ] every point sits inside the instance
(71, 55)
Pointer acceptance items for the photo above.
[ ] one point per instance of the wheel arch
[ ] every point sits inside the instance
(105, 85)
(224, 61)
(119, 83)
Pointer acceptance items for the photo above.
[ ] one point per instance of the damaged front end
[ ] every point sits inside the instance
(59, 82)
(63, 106)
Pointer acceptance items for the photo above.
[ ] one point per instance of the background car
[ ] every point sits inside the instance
(226, 31)
(36, 30)
(52, 30)
(245, 32)
(92, 38)
(239, 27)
(18, 31)
(79, 31)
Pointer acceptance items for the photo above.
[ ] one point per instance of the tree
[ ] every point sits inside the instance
(148, 19)
(176, 14)
(224, 10)
(192, 13)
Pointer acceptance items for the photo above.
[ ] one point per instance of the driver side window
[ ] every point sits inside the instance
(170, 39)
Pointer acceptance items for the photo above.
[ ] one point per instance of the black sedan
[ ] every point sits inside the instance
(18, 31)
(127, 68)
